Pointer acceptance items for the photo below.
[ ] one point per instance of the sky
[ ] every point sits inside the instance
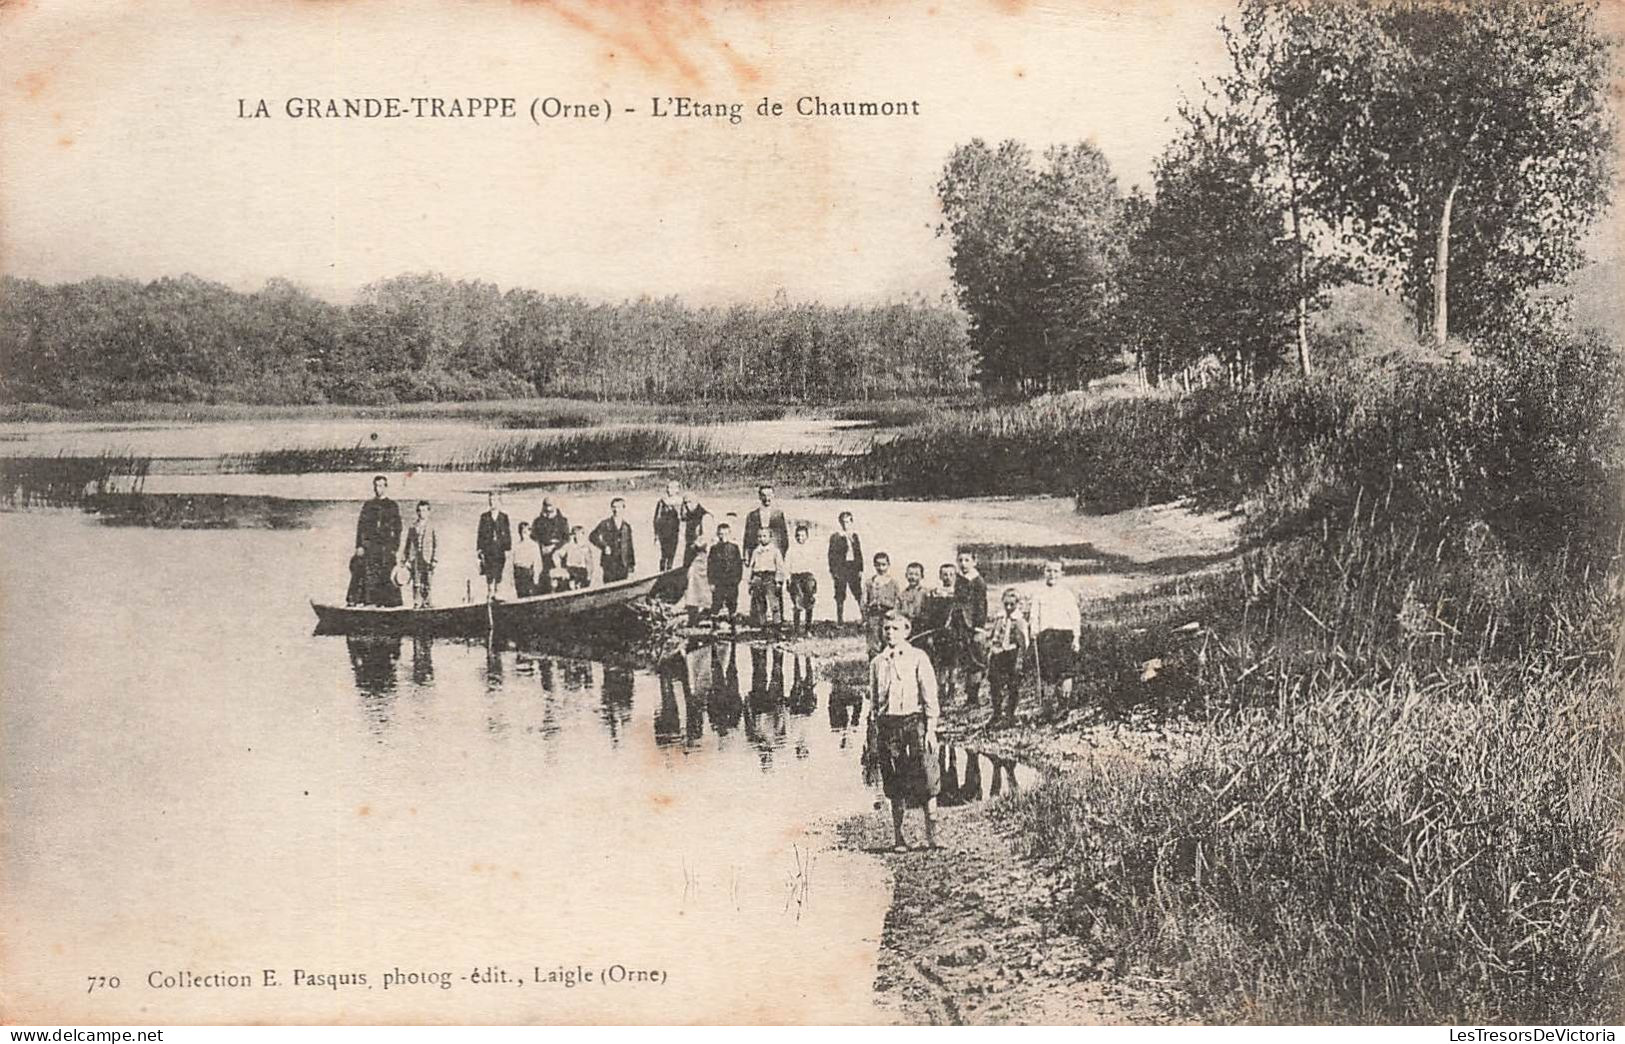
(124, 154)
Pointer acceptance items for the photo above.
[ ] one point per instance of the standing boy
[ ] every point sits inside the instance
(911, 603)
(880, 597)
(1007, 652)
(575, 561)
(800, 563)
(724, 567)
(613, 539)
(967, 620)
(422, 551)
(903, 712)
(937, 638)
(766, 576)
(846, 566)
(668, 524)
(528, 575)
(1057, 623)
(493, 542)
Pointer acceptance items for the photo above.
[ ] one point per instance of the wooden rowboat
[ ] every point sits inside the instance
(515, 617)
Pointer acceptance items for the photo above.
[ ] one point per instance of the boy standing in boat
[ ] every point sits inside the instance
(378, 545)
(575, 562)
(422, 552)
(668, 524)
(528, 573)
(493, 542)
(613, 539)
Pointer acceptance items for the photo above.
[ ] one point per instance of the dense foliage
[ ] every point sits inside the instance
(423, 337)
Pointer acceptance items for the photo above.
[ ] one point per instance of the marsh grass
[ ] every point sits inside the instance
(304, 460)
(1396, 851)
(67, 481)
(628, 446)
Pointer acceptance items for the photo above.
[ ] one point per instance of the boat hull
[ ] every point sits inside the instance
(516, 617)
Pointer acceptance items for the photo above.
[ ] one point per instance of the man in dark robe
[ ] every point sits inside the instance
(551, 531)
(378, 545)
(613, 539)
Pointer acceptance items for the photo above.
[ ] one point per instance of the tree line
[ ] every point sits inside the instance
(1454, 151)
(425, 337)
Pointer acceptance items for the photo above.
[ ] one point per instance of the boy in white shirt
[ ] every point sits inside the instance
(800, 563)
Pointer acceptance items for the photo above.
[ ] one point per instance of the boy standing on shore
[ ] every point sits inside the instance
(799, 563)
(911, 603)
(725, 567)
(880, 596)
(766, 574)
(1007, 652)
(1056, 622)
(967, 621)
(846, 566)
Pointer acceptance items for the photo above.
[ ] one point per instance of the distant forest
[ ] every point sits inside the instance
(416, 338)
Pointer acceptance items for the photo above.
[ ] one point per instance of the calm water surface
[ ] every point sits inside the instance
(196, 782)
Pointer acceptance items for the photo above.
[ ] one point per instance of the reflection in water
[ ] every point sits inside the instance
(617, 700)
(373, 660)
(422, 660)
(971, 775)
(733, 686)
(803, 691)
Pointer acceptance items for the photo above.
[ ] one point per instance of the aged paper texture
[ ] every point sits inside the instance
(260, 255)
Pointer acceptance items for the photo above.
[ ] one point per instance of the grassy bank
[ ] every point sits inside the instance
(1404, 800)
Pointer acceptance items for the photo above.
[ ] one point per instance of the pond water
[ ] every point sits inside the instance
(425, 440)
(197, 782)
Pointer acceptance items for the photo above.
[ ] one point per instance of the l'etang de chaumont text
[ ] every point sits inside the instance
(555, 109)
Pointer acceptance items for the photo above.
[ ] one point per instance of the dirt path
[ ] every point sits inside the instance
(975, 934)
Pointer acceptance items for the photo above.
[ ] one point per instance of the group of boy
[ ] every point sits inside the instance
(549, 554)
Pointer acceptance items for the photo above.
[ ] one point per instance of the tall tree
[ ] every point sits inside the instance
(1034, 253)
(1212, 265)
(1444, 128)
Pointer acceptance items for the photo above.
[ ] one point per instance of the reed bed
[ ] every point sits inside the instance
(626, 447)
(309, 459)
(68, 481)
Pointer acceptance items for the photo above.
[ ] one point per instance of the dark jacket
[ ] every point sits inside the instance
(668, 523)
(615, 542)
(726, 564)
(838, 551)
(495, 535)
(970, 601)
(555, 530)
(775, 523)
